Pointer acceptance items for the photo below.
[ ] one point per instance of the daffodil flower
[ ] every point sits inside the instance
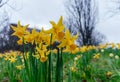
(20, 31)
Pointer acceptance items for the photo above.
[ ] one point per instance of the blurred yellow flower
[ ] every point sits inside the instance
(72, 48)
(108, 74)
(12, 59)
(111, 55)
(96, 56)
(88, 67)
(55, 51)
(84, 75)
(83, 49)
(6, 58)
(118, 45)
(112, 45)
(1, 55)
(77, 57)
(102, 50)
(103, 46)
(37, 56)
(73, 69)
(116, 57)
(19, 67)
(91, 47)
(13, 54)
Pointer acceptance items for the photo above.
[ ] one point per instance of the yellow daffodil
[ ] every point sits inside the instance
(20, 31)
(68, 40)
(31, 37)
(42, 52)
(56, 28)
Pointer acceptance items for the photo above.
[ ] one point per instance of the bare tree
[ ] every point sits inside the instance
(3, 2)
(82, 18)
(116, 8)
(4, 25)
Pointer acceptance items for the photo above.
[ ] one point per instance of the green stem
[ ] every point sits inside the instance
(61, 66)
(50, 63)
(49, 70)
(57, 68)
(70, 76)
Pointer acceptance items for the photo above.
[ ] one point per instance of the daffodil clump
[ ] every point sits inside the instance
(46, 38)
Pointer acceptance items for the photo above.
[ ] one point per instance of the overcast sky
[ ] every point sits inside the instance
(39, 12)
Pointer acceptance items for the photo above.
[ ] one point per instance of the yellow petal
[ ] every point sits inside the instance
(67, 34)
(60, 21)
(53, 23)
(18, 25)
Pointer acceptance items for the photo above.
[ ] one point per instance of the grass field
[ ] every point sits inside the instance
(88, 65)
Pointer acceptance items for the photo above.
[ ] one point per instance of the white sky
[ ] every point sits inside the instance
(39, 12)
